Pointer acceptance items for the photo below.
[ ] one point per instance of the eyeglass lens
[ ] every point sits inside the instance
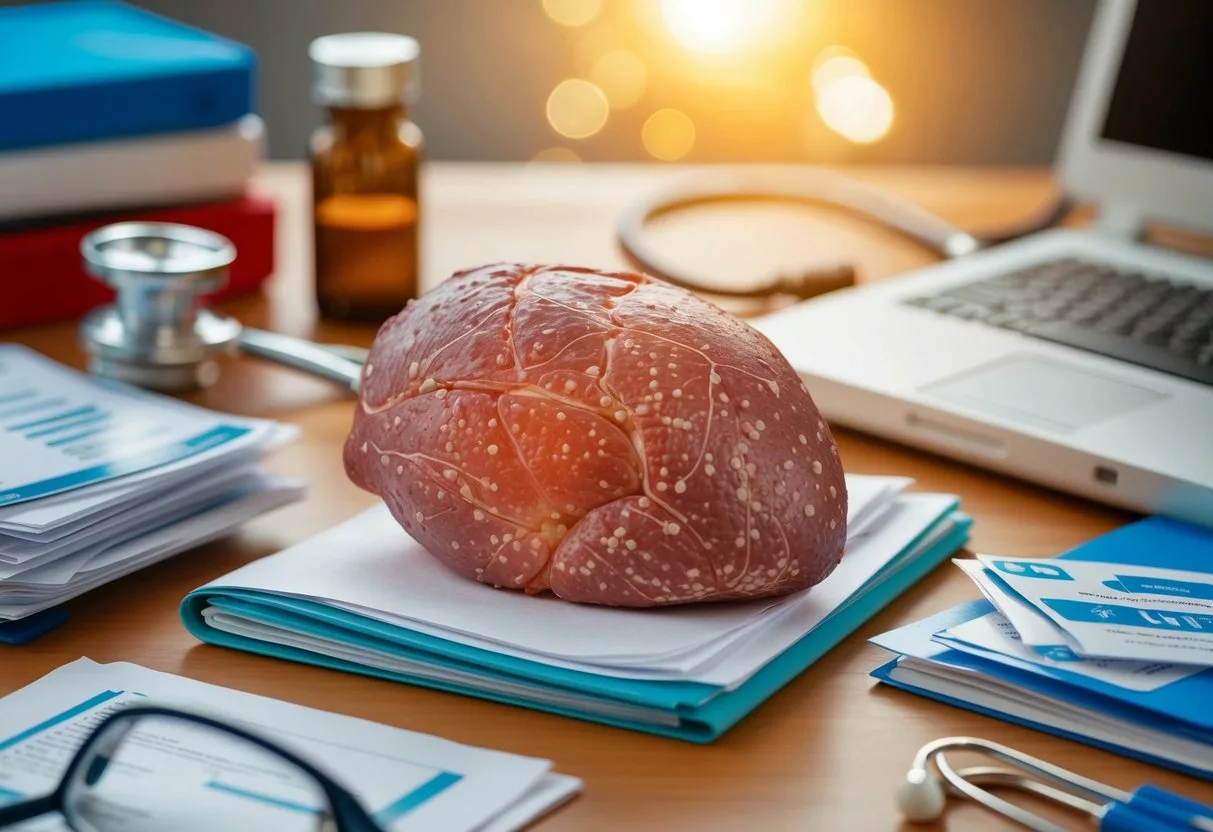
(161, 772)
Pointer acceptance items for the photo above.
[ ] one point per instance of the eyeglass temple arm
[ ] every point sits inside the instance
(29, 809)
(349, 814)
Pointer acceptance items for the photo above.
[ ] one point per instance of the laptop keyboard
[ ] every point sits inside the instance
(1145, 319)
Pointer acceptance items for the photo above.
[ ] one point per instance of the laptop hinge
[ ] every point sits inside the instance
(1121, 221)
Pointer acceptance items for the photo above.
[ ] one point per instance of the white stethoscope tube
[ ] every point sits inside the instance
(921, 797)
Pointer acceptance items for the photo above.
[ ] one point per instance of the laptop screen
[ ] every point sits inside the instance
(1163, 98)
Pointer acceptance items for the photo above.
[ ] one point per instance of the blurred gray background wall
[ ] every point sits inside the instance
(973, 81)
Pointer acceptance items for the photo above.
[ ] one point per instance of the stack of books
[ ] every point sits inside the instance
(111, 113)
(1110, 644)
(99, 480)
(364, 597)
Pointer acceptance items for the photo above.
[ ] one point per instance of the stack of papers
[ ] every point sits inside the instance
(1110, 644)
(365, 597)
(99, 479)
(405, 780)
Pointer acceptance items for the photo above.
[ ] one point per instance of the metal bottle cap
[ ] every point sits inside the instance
(364, 69)
(155, 335)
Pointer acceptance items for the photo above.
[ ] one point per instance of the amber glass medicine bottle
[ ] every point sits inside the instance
(365, 162)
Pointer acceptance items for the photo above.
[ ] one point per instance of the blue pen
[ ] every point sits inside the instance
(922, 796)
(1153, 808)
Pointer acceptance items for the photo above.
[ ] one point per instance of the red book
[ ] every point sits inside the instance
(42, 278)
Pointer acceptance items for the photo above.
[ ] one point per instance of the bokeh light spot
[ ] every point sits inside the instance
(856, 107)
(668, 135)
(717, 27)
(572, 13)
(622, 76)
(838, 66)
(577, 109)
(556, 154)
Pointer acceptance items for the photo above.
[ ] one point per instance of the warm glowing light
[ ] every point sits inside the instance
(718, 27)
(622, 76)
(577, 109)
(856, 107)
(839, 66)
(572, 12)
(590, 43)
(668, 135)
(836, 50)
(556, 154)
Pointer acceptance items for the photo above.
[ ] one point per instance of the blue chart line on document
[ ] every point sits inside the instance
(82, 431)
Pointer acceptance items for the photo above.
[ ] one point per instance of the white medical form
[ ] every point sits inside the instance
(62, 430)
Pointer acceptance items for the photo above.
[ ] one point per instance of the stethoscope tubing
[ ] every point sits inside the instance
(814, 187)
(1148, 808)
(335, 362)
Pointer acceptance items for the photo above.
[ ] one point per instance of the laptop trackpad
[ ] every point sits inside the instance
(1042, 393)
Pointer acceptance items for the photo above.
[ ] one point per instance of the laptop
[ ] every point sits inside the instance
(1077, 359)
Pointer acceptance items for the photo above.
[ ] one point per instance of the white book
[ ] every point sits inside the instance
(163, 169)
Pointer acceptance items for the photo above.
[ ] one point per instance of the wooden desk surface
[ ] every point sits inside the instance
(827, 750)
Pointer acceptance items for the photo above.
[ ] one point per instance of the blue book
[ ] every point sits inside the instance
(1168, 724)
(273, 607)
(86, 70)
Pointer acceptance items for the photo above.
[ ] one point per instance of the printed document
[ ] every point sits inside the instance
(1118, 611)
(992, 636)
(64, 431)
(405, 780)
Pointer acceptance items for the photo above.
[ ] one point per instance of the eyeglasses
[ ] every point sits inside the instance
(154, 768)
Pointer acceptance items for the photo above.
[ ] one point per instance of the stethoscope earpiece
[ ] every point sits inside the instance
(920, 797)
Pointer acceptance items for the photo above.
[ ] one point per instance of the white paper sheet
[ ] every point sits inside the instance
(17, 555)
(409, 781)
(62, 559)
(18, 599)
(52, 517)
(912, 514)
(385, 574)
(1034, 627)
(993, 633)
(868, 497)
(745, 663)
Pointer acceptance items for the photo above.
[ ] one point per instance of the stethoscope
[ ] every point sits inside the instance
(922, 795)
(158, 335)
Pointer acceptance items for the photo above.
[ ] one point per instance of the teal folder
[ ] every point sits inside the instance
(690, 711)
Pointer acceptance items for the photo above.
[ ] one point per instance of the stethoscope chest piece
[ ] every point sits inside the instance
(155, 335)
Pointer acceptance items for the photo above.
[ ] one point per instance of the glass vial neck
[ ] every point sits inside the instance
(359, 120)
